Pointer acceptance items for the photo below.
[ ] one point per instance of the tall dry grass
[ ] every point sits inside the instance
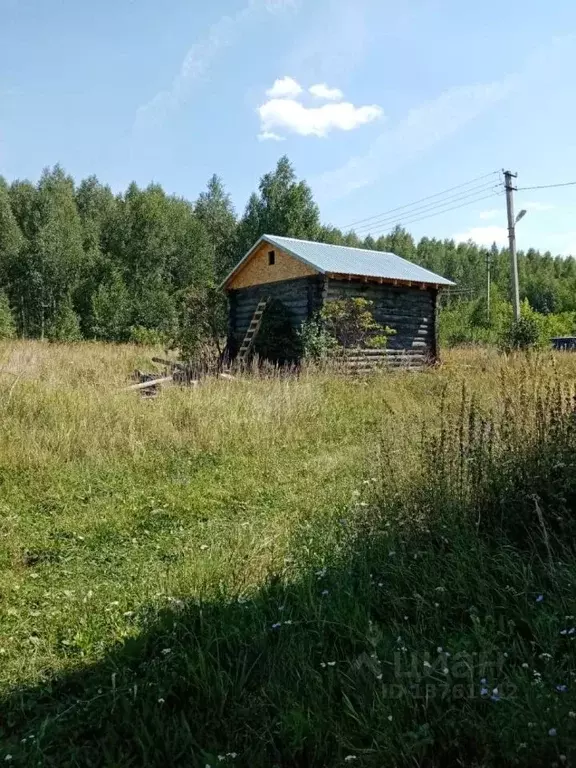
(236, 567)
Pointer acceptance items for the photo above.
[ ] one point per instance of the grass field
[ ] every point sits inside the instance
(312, 571)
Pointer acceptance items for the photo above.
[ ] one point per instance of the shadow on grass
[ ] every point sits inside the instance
(325, 669)
(413, 646)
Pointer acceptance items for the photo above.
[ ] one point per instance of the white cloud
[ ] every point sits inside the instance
(290, 115)
(322, 91)
(269, 136)
(278, 6)
(491, 214)
(284, 87)
(483, 235)
(536, 206)
(495, 213)
(197, 61)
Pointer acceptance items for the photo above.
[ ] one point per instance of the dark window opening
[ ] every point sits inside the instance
(271, 258)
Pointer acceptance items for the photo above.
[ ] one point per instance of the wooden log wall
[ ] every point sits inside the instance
(371, 360)
(301, 296)
(410, 311)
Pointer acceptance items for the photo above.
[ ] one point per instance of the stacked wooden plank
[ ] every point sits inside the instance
(370, 360)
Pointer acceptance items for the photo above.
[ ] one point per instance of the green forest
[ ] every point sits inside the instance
(80, 262)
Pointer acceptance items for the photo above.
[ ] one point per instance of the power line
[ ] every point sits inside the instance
(383, 220)
(429, 207)
(421, 200)
(447, 210)
(548, 186)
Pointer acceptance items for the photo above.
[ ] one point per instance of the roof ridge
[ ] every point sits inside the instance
(333, 245)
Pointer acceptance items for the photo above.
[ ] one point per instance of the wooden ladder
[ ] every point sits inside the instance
(252, 331)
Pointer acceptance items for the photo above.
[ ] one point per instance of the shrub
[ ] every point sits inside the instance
(351, 322)
(521, 334)
(147, 337)
(316, 342)
(202, 322)
(65, 325)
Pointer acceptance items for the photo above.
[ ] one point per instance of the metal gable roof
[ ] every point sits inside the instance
(342, 259)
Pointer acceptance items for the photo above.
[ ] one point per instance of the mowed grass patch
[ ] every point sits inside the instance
(213, 571)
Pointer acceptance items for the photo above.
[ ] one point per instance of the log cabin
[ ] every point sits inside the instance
(303, 274)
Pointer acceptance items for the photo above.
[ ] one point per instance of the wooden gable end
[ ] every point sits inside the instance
(257, 270)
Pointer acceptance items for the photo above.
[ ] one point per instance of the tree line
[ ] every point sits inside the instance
(80, 262)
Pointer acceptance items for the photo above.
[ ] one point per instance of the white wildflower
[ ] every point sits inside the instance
(166, 651)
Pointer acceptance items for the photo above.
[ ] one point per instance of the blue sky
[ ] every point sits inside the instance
(408, 98)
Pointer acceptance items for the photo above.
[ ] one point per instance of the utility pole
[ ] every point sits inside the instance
(510, 189)
(488, 284)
